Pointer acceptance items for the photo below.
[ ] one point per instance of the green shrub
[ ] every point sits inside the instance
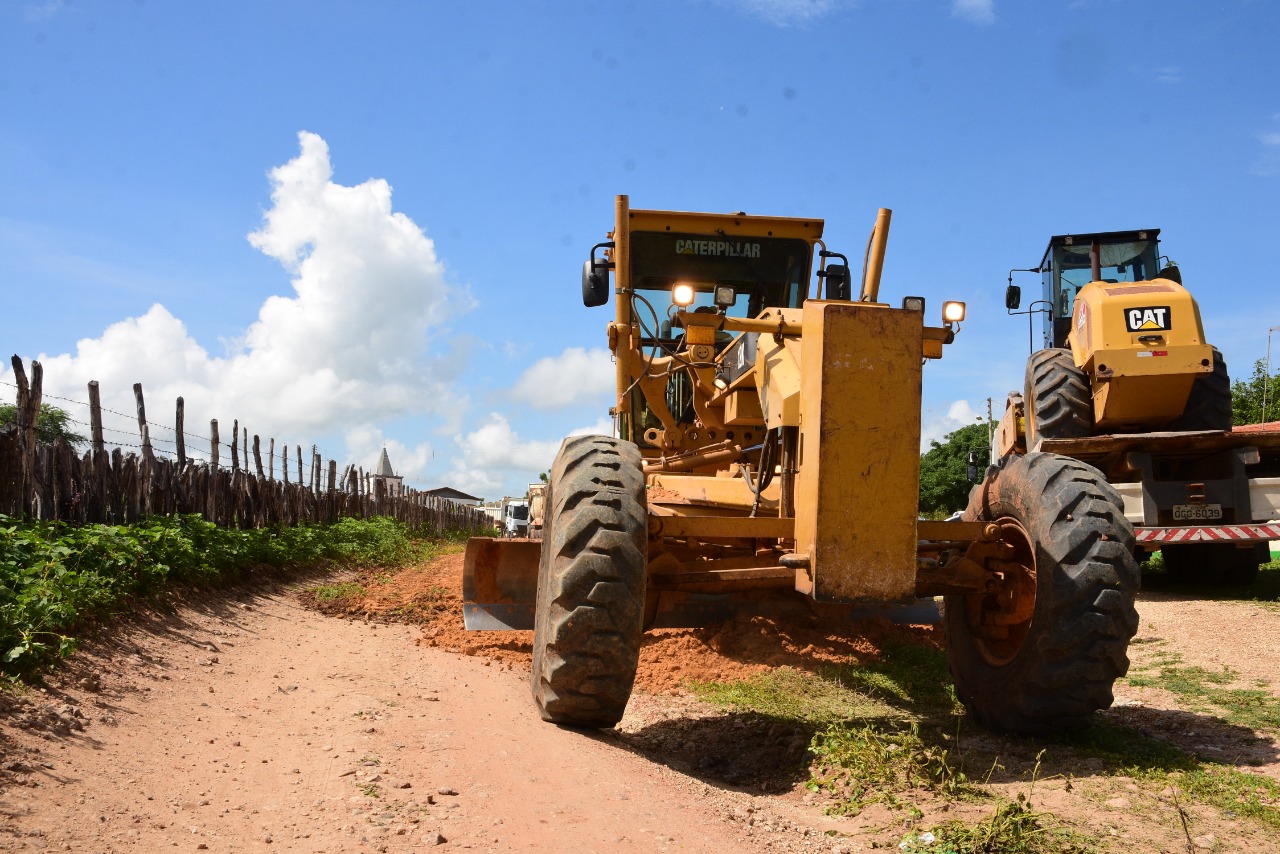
(54, 578)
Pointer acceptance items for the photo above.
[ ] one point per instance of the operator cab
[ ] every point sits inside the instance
(736, 276)
(1067, 266)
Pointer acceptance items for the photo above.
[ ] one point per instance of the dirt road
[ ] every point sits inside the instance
(254, 724)
(246, 721)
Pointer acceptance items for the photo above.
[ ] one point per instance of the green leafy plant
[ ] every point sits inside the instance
(1014, 828)
(55, 578)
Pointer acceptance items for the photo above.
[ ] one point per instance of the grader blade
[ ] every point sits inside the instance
(499, 583)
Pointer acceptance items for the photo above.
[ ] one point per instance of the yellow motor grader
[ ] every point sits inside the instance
(768, 444)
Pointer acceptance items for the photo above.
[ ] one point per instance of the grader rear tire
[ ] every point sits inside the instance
(1058, 397)
(1209, 404)
(591, 583)
(1041, 651)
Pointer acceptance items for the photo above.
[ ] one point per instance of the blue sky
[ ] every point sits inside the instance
(357, 224)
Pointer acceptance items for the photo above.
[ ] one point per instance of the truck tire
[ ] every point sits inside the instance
(1217, 564)
(1041, 651)
(1058, 398)
(591, 583)
(1209, 404)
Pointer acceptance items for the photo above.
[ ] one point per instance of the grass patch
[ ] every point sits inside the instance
(889, 732)
(55, 579)
(906, 676)
(1215, 692)
(1127, 752)
(870, 764)
(884, 758)
(338, 592)
(786, 694)
(1014, 828)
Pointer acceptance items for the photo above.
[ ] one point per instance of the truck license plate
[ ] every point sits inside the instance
(1196, 512)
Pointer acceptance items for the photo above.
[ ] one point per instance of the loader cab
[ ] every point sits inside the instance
(1067, 266)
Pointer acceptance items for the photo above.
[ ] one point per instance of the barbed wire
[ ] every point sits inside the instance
(309, 468)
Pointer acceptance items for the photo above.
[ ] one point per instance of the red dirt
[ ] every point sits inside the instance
(431, 594)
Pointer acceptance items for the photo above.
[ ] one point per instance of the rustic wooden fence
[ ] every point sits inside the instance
(51, 481)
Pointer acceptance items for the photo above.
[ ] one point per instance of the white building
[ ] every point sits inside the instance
(392, 483)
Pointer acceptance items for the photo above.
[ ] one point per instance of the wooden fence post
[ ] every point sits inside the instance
(181, 439)
(257, 455)
(213, 445)
(28, 411)
(95, 419)
(143, 430)
(235, 445)
(271, 460)
(284, 463)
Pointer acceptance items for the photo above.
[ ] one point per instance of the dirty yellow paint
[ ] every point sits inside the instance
(859, 468)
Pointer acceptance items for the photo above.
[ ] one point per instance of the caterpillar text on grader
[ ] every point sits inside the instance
(768, 443)
(1126, 382)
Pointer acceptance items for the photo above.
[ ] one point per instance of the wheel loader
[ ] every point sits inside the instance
(767, 449)
(1125, 381)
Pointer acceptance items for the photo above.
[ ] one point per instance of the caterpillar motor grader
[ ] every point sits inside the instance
(1126, 382)
(768, 443)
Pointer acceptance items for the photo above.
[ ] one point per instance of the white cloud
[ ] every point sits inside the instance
(347, 349)
(934, 427)
(786, 12)
(416, 464)
(38, 13)
(576, 376)
(1169, 74)
(1268, 164)
(976, 11)
(494, 460)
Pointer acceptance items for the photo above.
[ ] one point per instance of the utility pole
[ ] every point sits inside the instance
(1266, 378)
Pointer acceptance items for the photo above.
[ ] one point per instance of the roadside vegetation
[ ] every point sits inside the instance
(56, 580)
(890, 733)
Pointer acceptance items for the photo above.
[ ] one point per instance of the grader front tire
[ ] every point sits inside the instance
(1040, 651)
(591, 583)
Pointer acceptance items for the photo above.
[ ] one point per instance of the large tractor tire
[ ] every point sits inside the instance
(1215, 564)
(1058, 398)
(1209, 404)
(1040, 650)
(591, 583)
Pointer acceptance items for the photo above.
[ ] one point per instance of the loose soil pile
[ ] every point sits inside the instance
(431, 595)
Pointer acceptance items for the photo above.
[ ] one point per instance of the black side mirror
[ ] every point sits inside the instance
(971, 470)
(1013, 297)
(595, 282)
(837, 281)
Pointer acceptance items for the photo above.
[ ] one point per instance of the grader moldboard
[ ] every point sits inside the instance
(769, 445)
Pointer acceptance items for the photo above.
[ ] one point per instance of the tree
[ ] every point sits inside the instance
(51, 424)
(1247, 396)
(944, 481)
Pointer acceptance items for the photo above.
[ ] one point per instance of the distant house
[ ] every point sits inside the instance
(392, 483)
(448, 493)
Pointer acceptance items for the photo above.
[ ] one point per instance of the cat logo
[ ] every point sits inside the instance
(1153, 317)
